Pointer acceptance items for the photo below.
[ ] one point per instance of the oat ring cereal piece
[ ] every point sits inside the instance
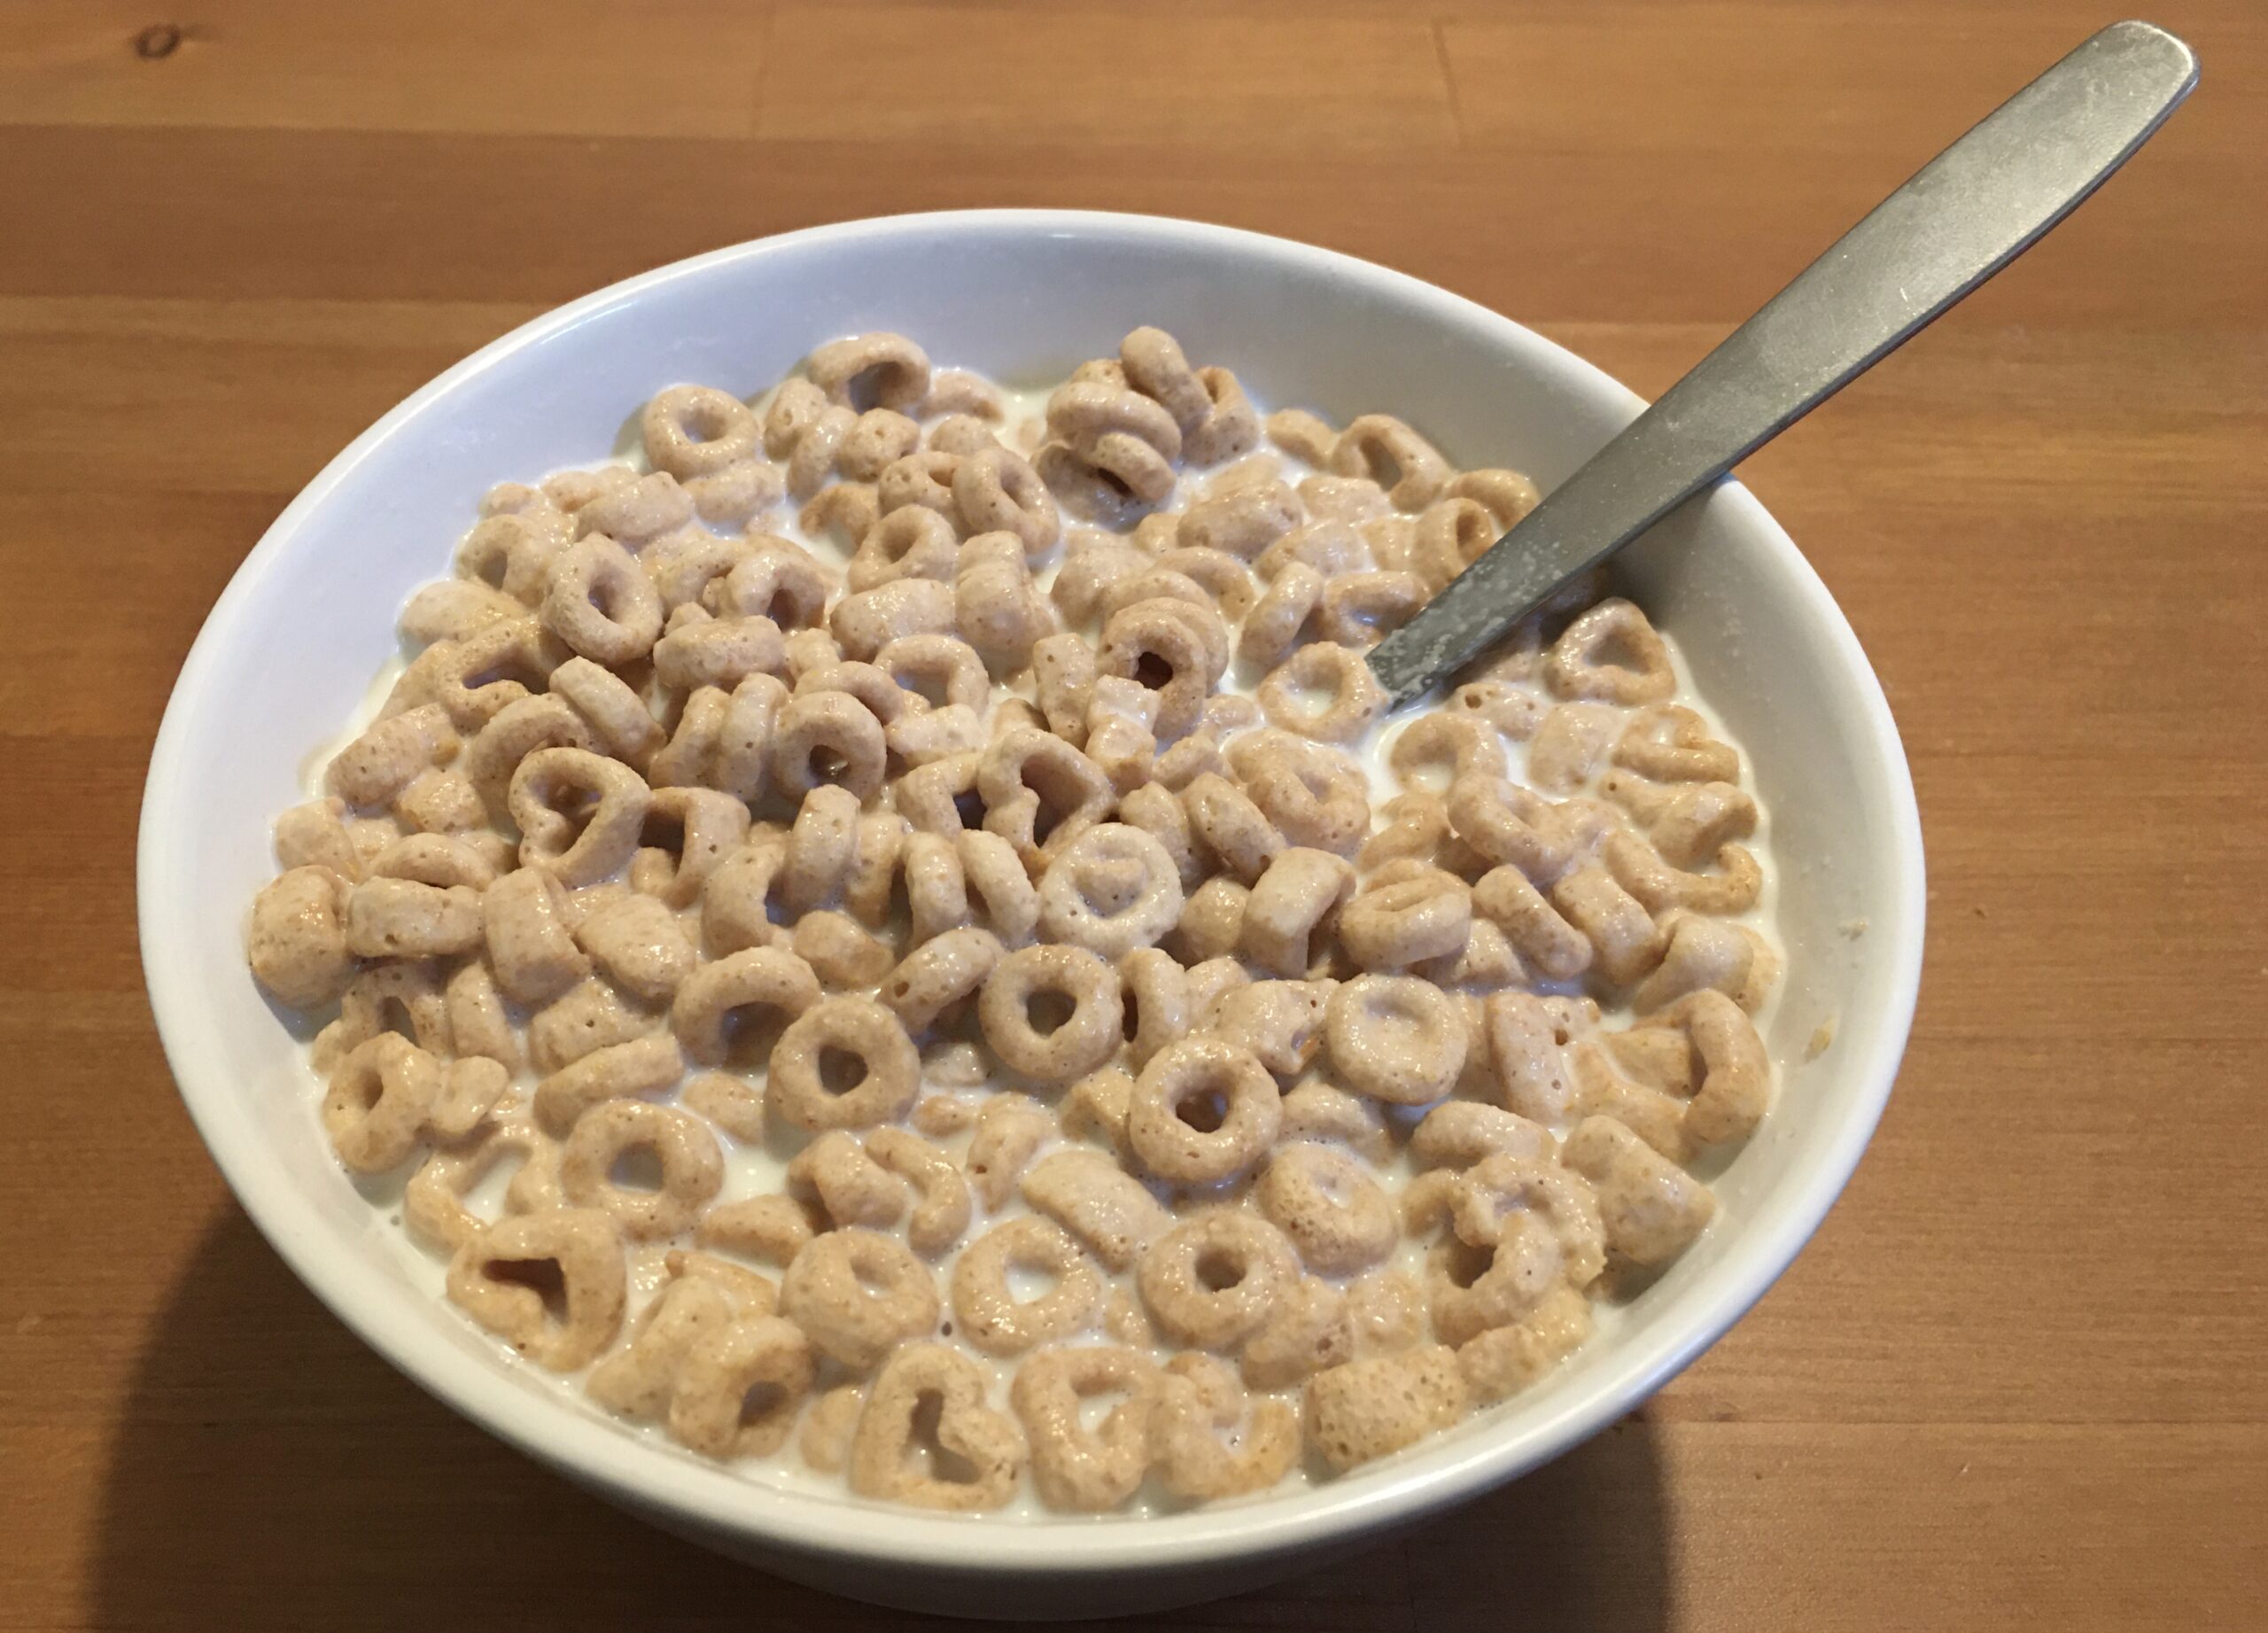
(696, 431)
(890, 369)
(1638, 867)
(1393, 926)
(1611, 653)
(637, 1380)
(1650, 1207)
(938, 972)
(1369, 1408)
(923, 479)
(741, 1389)
(997, 491)
(433, 1203)
(986, 1443)
(986, 1309)
(1379, 445)
(736, 902)
(1452, 535)
(1039, 792)
(298, 947)
(1089, 1012)
(1436, 751)
(819, 1049)
(579, 814)
(828, 736)
(494, 1276)
(1323, 691)
(1212, 1280)
(1396, 1039)
(1272, 628)
(1118, 432)
(941, 1215)
(380, 1097)
(1671, 743)
(1284, 918)
(642, 1065)
(601, 602)
(1161, 641)
(1079, 1469)
(820, 845)
(1737, 1074)
(1199, 1398)
(1497, 1188)
(856, 1294)
(1315, 795)
(1112, 889)
(687, 836)
(692, 1167)
(1335, 1212)
(517, 730)
(715, 995)
(942, 670)
(1203, 1110)
(909, 542)
(1158, 1009)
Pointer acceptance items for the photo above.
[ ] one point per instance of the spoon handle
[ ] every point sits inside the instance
(1971, 211)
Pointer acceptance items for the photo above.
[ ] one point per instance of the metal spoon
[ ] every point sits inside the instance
(1971, 211)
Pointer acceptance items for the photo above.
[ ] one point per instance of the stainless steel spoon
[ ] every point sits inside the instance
(1971, 211)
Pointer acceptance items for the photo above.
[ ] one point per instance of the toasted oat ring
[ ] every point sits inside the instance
(1670, 743)
(1271, 629)
(693, 1169)
(1283, 929)
(709, 1410)
(1110, 890)
(1161, 635)
(1475, 1287)
(1737, 1074)
(997, 491)
(1079, 1469)
(988, 1444)
(938, 974)
(923, 479)
(1156, 996)
(1341, 675)
(582, 1244)
(1638, 867)
(515, 731)
(1393, 926)
(1202, 1111)
(696, 431)
(829, 737)
(1396, 1038)
(775, 579)
(1379, 445)
(1436, 751)
(1083, 1040)
(1211, 1281)
(798, 1089)
(1315, 795)
(379, 1098)
(1583, 662)
(1198, 1398)
(1452, 533)
(988, 1313)
(911, 542)
(1029, 776)
(945, 666)
(585, 848)
(1328, 1204)
(599, 602)
(820, 845)
(708, 999)
(856, 1294)
(1119, 431)
(1499, 1188)
(894, 371)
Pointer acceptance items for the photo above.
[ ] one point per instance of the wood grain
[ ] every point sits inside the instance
(2016, 1380)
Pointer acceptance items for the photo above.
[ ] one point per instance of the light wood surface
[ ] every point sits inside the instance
(2019, 1377)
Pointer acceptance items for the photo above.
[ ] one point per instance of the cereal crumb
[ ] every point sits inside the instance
(1852, 929)
(1822, 1040)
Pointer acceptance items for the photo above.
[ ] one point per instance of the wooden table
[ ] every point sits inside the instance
(2019, 1376)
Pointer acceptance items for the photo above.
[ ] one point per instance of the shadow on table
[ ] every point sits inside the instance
(271, 1472)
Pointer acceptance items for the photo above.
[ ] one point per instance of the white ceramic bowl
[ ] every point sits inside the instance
(295, 639)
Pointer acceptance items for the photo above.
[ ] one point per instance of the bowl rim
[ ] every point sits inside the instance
(697, 1497)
